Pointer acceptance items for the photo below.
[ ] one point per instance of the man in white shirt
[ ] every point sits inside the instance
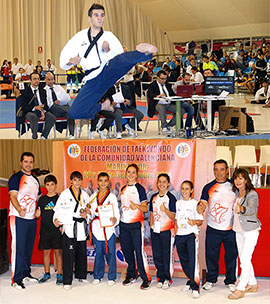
(50, 67)
(57, 100)
(16, 66)
(29, 67)
(101, 56)
(190, 66)
(196, 76)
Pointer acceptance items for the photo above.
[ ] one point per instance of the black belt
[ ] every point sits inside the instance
(79, 220)
(87, 72)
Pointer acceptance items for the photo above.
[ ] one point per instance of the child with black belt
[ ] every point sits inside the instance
(187, 242)
(70, 212)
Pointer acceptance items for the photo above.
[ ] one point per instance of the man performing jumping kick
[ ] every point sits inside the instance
(101, 55)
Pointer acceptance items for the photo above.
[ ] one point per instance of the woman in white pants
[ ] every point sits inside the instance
(246, 225)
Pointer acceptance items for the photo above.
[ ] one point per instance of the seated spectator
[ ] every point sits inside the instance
(140, 76)
(172, 63)
(190, 66)
(50, 67)
(209, 65)
(260, 67)
(171, 77)
(107, 123)
(196, 76)
(21, 76)
(16, 66)
(4, 67)
(120, 98)
(35, 107)
(39, 71)
(29, 67)
(228, 65)
(57, 100)
(262, 96)
(178, 69)
(39, 65)
(167, 62)
(241, 61)
(157, 89)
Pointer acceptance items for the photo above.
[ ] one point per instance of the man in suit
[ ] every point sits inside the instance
(120, 98)
(141, 76)
(57, 100)
(35, 107)
(160, 88)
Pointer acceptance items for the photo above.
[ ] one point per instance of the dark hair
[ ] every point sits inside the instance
(33, 73)
(134, 166)
(206, 57)
(167, 68)
(194, 69)
(161, 72)
(188, 182)
(76, 174)
(262, 80)
(50, 178)
(164, 175)
(244, 174)
(28, 154)
(95, 6)
(221, 161)
(103, 174)
(186, 74)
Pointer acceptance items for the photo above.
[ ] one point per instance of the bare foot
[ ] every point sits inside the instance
(267, 105)
(146, 48)
(106, 47)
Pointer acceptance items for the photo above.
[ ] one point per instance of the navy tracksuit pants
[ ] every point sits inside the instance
(213, 241)
(86, 103)
(131, 240)
(187, 249)
(23, 233)
(162, 247)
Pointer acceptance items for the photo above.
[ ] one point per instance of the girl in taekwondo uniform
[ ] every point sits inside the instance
(133, 205)
(162, 212)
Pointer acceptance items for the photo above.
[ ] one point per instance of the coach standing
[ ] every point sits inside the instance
(220, 197)
(24, 190)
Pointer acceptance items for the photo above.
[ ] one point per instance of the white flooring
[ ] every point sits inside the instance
(261, 122)
(49, 292)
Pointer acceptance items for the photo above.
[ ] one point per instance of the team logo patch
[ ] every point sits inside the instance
(74, 150)
(120, 255)
(183, 150)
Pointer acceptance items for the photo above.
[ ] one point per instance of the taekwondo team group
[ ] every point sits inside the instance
(68, 219)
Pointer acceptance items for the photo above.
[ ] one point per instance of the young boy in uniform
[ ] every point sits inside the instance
(50, 236)
(70, 213)
(104, 237)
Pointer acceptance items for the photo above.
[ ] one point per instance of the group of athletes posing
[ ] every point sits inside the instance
(65, 220)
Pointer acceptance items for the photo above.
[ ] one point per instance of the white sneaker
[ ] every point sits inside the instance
(118, 135)
(67, 287)
(42, 137)
(71, 137)
(231, 287)
(208, 285)
(186, 288)
(165, 131)
(96, 281)
(166, 284)
(159, 285)
(111, 282)
(195, 294)
(101, 134)
(92, 135)
(130, 131)
(18, 285)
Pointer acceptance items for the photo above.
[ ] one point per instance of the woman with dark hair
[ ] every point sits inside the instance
(246, 225)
